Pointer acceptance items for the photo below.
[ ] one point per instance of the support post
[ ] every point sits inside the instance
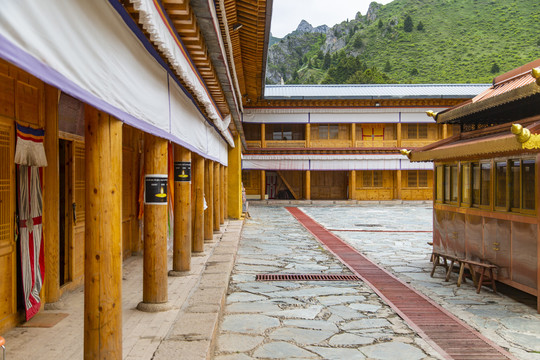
(263, 185)
(353, 135)
(182, 212)
(234, 180)
(222, 194)
(307, 185)
(197, 187)
(308, 135)
(209, 196)
(352, 185)
(51, 198)
(155, 225)
(263, 136)
(217, 205)
(226, 192)
(103, 239)
(399, 135)
(445, 131)
(398, 184)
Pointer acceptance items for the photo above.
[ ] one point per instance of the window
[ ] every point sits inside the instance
(450, 184)
(417, 131)
(328, 131)
(416, 178)
(476, 184)
(246, 178)
(285, 132)
(466, 183)
(515, 181)
(486, 184)
(527, 185)
(372, 178)
(500, 184)
(439, 185)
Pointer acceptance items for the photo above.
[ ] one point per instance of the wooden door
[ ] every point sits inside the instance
(372, 133)
(79, 182)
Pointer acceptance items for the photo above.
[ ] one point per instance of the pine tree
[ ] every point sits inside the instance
(387, 66)
(408, 24)
(495, 68)
(420, 26)
(380, 24)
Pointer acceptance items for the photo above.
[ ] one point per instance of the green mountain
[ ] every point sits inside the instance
(412, 41)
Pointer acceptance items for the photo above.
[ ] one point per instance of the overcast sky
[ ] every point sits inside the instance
(287, 14)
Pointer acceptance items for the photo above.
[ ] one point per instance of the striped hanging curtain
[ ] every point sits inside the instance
(30, 158)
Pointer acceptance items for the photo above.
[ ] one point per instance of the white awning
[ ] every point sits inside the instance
(331, 162)
(93, 51)
(338, 116)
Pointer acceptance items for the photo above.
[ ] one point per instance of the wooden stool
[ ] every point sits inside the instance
(3, 345)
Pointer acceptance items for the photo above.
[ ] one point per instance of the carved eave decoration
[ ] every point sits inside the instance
(501, 140)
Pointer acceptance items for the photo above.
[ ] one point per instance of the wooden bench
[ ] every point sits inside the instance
(440, 259)
(483, 279)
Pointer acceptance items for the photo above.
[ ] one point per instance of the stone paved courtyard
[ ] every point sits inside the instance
(347, 320)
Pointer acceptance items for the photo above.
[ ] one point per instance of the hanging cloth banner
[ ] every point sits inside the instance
(30, 157)
(30, 150)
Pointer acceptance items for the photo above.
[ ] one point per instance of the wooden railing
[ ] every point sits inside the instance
(416, 143)
(324, 143)
(256, 144)
(285, 143)
(376, 144)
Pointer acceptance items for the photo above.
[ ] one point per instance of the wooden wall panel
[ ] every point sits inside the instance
(131, 138)
(251, 180)
(8, 278)
(21, 96)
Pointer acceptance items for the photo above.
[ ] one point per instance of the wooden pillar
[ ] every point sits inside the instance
(197, 188)
(307, 185)
(263, 136)
(308, 135)
(353, 135)
(155, 225)
(398, 184)
(209, 197)
(352, 184)
(182, 212)
(263, 185)
(399, 135)
(217, 193)
(103, 236)
(222, 194)
(537, 175)
(225, 192)
(234, 180)
(51, 198)
(445, 131)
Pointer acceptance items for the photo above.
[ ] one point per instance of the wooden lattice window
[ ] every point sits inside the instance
(417, 131)
(372, 178)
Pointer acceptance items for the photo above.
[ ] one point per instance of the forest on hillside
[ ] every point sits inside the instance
(412, 41)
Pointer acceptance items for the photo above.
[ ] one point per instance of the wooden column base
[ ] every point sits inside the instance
(154, 307)
(174, 273)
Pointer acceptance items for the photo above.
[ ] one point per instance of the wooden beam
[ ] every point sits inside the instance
(103, 237)
(307, 185)
(182, 212)
(352, 185)
(234, 180)
(296, 197)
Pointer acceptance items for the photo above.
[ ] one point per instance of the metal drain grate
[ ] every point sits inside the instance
(306, 277)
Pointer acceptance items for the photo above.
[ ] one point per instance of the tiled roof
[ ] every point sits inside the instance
(378, 91)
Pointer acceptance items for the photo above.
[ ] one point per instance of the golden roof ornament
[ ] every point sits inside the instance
(405, 152)
(431, 113)
(535, 72)
(522, 134)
